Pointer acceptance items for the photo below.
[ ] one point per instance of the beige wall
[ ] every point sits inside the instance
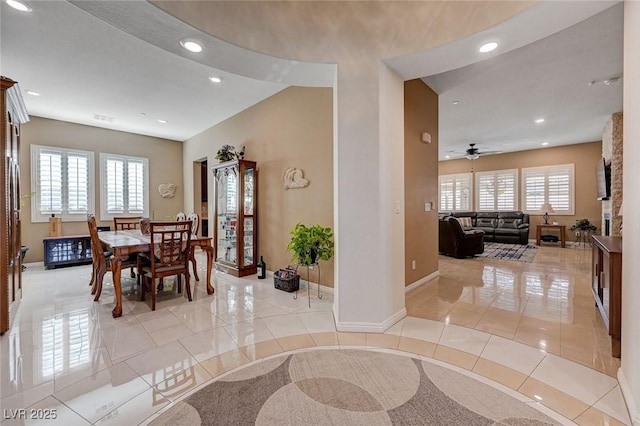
(584, 156)
(293, 128)
(165, 165)
(420, 180)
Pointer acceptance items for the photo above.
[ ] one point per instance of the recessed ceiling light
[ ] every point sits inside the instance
(32, 93)
(215, 79)
(191, 45)
(447, 156)
(160, 120)
(19, 6)
(545, 143)
(539, 120)
(488, 47)
(455, 102)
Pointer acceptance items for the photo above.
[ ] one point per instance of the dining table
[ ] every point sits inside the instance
(126, 242)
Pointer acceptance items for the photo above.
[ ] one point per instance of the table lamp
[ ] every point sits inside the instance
(546, 208)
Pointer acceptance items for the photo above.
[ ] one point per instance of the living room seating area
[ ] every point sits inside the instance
(500, 227)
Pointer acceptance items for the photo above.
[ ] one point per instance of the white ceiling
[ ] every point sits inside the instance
(500, 98)
(84, 66)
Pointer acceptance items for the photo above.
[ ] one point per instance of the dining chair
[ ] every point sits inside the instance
(101, 259)
(195, 225)
(169, 255)
(124, 223)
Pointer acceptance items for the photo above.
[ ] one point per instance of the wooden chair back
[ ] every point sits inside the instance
(124, 223)
(171, 249)
(96, 246)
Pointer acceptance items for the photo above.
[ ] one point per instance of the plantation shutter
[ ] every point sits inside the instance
(125, 186)
(50, 182)
(551, 184)
(455, 192)
(61, 183)
(115, 185)
(496, 190)
(135, 172)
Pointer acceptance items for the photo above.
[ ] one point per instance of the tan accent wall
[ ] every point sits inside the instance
(165, 165)
(584, 156)
(420, 180)
(293, 128)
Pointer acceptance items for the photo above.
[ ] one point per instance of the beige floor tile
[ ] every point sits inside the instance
(463, 317)
(499, 321)
(540, 334)
(382, 340)
(352, 339)
(325, 339)
(301, 341)
(453, 356)
(593, 417)
(261, 350)
(551, 397)
(514, 355)
(416, 346)
(227, 361)
(499, 373)
(595, 359)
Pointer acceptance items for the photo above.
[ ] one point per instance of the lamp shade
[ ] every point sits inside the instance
(547, 208)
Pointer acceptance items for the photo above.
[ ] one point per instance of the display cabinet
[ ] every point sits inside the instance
(235, 229)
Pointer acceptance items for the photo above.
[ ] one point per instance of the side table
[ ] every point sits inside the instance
(561, 228)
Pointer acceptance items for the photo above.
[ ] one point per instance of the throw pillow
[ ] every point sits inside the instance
(494, 223)
(465, 222)
(517, 223)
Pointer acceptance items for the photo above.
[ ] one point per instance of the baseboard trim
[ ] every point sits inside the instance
(34, 264)
(632, 407)
(422, 281)
(370, 327)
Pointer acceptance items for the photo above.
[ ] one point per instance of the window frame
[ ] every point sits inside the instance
(546, 170)
(105, 215)
(495, 173)
(37, 216)
(469, 181)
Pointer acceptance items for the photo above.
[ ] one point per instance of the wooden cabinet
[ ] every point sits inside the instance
(14, 113)
(606, 285)
(235, 229)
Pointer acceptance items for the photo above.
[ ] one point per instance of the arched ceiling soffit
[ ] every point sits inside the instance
(297, 43)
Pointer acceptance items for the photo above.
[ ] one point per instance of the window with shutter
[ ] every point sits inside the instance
(62, 183)
(497, 190)
(550, 184)
(455, 192)
(125, 186)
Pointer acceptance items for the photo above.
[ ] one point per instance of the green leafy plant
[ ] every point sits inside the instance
(584, 225)
(226, 153)
(310, 243)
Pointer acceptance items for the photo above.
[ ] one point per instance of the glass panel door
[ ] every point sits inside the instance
(227, 210)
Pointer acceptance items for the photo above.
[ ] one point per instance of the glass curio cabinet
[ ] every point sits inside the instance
(235, 231)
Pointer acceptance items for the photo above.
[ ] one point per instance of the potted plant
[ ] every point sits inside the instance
(583, 225)
(226, 153)
(310, 244)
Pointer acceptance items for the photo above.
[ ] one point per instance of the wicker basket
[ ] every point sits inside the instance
(287, 284)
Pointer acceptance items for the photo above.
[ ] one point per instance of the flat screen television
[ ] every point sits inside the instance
(603, 179)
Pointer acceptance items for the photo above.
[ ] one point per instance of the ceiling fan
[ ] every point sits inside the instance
(472, 153)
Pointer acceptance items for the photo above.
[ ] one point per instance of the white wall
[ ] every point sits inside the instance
(629, 374)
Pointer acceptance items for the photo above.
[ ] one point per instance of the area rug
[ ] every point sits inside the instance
(520, 252)
(350, 387)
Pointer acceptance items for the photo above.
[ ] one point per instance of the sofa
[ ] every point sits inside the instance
(500, 227)
(457, 242)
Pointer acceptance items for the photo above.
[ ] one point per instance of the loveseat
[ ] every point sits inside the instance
(455, 241)
(499, 227)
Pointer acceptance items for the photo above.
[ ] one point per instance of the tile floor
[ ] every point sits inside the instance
(528, 328)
